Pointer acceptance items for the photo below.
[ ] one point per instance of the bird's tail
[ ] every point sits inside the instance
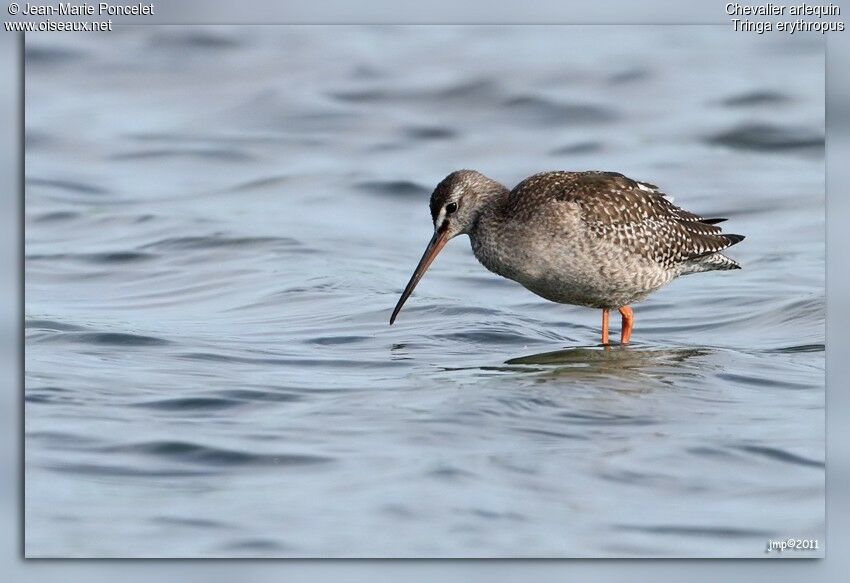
(712, 262)
(720, 261)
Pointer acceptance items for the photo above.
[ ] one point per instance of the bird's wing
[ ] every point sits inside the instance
(634, 215)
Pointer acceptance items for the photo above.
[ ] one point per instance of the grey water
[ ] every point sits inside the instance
(220, 220)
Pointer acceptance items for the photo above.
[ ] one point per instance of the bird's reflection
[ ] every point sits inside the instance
(616, 361)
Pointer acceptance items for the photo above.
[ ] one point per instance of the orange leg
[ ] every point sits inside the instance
(605, 327)
(628, 324)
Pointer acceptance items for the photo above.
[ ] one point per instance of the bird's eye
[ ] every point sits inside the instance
(451, 207)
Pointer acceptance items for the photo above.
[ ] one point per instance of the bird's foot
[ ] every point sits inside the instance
(628, 323)
(605, 327)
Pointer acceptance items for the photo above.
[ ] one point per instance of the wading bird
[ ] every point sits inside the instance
(594, 239)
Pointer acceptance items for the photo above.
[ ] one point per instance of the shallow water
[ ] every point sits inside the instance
(220, 220)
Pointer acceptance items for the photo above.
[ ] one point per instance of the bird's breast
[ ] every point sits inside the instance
(566, 264)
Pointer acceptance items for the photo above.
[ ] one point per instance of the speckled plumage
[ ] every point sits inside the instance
(596, 239)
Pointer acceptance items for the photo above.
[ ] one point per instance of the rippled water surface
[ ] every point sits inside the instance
(219, 221)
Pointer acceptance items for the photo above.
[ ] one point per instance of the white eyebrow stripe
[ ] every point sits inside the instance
(440, 218)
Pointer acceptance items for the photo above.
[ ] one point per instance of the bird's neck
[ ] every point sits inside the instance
(491, 207)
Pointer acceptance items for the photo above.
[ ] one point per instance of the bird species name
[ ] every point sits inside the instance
(771, 10)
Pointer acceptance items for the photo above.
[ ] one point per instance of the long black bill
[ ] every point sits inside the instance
(438, 241)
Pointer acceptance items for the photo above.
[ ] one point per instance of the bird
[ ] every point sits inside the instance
(588, 238)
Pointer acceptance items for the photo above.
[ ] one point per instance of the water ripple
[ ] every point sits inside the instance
(544, 111)
(105, 339)
(184, 404)
(781, 455)
(696, 531)
(194, 40)
(216, 241)
(394, 188)
(213, 154)
(51, 325)
(756, 98)
(769, 138)
(66, 185)
(186, 452)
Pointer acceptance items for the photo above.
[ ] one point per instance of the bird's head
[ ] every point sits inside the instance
(456, 205)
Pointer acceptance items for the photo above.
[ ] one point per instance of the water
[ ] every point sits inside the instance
(220, 220)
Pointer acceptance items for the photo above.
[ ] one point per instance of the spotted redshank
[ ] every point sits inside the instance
(594, 239)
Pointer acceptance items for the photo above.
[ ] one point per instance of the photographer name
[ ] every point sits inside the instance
(86, 9)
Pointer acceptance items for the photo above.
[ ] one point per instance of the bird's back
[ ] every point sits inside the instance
(634, 216)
